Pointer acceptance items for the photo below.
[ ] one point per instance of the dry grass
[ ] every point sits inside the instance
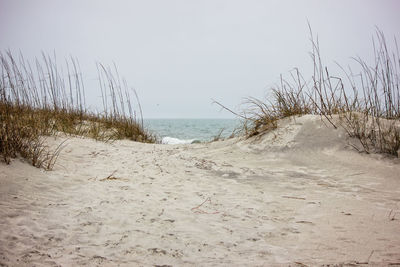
(39, 101)
(368, 104)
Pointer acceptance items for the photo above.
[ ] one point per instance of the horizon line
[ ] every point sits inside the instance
(186, 118)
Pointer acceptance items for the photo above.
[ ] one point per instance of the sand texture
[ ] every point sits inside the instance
(299, 195)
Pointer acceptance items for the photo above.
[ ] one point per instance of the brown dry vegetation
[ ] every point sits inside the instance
(367, 104)
(39, 101)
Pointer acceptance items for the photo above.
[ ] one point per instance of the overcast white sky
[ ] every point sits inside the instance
(179, 54)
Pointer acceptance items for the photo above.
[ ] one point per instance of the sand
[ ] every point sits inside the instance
(299, 195)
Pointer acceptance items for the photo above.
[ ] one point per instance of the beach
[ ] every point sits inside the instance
(298, 196)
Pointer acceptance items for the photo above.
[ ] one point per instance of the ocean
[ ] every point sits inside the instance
(186, 131)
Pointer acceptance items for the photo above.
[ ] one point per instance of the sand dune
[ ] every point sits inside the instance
(299, 195)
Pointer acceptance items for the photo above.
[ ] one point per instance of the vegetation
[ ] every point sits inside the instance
(366, 105)
(39, 101)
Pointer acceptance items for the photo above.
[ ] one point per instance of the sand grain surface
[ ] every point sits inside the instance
(298, 195)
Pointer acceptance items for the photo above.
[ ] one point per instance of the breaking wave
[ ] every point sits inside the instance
(175, 141)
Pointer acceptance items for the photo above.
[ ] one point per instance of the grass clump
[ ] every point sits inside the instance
(39, 101)
(367, 104)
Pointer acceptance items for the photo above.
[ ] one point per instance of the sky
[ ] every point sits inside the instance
(180, 54)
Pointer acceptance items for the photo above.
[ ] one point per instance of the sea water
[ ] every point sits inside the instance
(186, 131)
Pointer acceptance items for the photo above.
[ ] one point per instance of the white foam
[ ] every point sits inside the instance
(175, 141)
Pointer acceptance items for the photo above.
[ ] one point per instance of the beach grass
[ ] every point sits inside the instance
(37, 100)
(367, 103)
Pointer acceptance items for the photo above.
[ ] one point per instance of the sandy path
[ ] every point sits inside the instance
(295, 196)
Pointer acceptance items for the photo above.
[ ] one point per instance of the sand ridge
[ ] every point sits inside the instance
(297, 195)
